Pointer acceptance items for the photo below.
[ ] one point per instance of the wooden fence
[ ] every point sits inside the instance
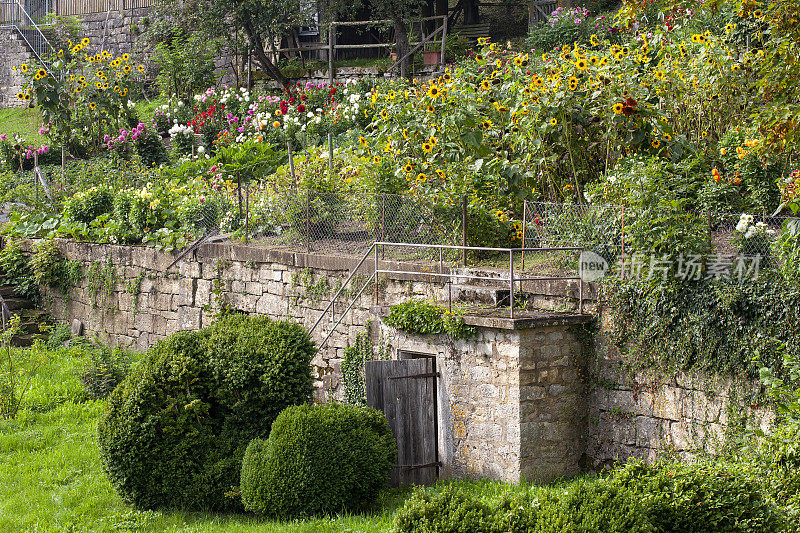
(86, 7)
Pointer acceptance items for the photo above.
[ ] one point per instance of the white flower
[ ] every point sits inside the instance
(751, 231)
(741, 227)
(201, 149)
(310, 114)
(131, 104)
(180, 103)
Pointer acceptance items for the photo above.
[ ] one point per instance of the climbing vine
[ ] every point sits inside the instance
(103, 279)
(134, 287)
(353, 376)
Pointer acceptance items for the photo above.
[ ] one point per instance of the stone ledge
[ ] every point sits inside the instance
(539, 320)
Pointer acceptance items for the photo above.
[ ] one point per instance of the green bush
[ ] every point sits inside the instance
(51, 268)
(669, 497)
(419, 316)
(85, 206)
(448, 511)
(176, 428)
(703, 497)
(105, 370)
(18, 272)
(318, 460)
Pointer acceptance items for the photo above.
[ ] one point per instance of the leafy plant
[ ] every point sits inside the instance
(419, 316)
(106, 369)
(18, 371)
(18, 272)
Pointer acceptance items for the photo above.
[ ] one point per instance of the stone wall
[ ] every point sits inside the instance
(527, 398)
(510, 400)
(13, 52)
(127, 298)
(645, 415)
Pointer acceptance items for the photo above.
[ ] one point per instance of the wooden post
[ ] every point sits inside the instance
(247, 216)
(308, 220)
(36, 181)
(331, 46)
(330, 151)
(291, 163)
(444, 38)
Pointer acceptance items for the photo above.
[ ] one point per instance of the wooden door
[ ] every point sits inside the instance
(406, 393)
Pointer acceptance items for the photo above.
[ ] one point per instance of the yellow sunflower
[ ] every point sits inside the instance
(433, 91)
(553, 121)
(427, 147)
(618, 107)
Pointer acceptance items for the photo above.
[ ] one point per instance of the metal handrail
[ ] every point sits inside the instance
(511, 278)
(20, 20)
(336, 296)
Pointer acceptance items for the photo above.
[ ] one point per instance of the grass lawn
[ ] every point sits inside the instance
(51, 478)
(24, 122)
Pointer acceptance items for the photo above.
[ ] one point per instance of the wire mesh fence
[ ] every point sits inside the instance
(333, 223)
(611, 231)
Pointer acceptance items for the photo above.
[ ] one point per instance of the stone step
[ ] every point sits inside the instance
(25, 340)
(16, 304)
(477, 294)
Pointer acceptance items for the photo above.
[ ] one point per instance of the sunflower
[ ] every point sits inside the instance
(736, 67)
(140, 68)
(384, 114)
(581, 64)
(433, 140)
(427, 147)
(85, 41)
(483, 40)
(376, 159)
(78, 89)
(518, 61)
(655, 143)
(21, 96)
(409, 167)
(126, 56)
(433, 91)
(486, 124)
(430, 108)
(99, 85)
(594, 40)
(23, 67)
(82, 79)
(92, 106)
(618, 107)
(710, 61)
(485, 85)
(447, 77)
(362, 140)
(757, 13)
(441, 173)
(99, 73)
(704, 134)
(116, 88)
(421, 177)
(127, 68)
(667, 137)
(553, 121)
(479, 57)
(27, 96)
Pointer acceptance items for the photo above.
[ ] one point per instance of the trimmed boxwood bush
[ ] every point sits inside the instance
(318, 460)
(176, 428)
(702, 498)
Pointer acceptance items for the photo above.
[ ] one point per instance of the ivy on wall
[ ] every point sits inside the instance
(724, 326)
(353, 377)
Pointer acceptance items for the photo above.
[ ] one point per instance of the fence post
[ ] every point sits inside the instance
(308, 221)
(444, 37)
(291, 163)
(383, 222)
(331, 45)
(464, 230)
(524, 229)
(247, 215)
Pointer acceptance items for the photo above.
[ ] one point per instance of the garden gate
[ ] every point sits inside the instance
(405, 391)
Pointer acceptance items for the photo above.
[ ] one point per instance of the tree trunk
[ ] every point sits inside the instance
(261, 56)
(401, 36)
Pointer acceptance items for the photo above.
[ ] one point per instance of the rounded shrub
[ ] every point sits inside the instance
(318, 460)
(177, 427)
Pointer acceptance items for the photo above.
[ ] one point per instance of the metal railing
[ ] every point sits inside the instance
(377, 248)
(14, 16)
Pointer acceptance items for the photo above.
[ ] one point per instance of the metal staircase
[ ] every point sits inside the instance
(15, 17)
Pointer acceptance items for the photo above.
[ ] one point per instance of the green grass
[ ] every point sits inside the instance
(51, 479)
(24, 122)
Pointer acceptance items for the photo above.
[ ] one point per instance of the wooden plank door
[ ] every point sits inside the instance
(406, 393)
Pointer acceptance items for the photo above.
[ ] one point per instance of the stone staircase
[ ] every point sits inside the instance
(30, 316)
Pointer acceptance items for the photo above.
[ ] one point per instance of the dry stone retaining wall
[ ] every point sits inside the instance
(519, 400)
(13, 52)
